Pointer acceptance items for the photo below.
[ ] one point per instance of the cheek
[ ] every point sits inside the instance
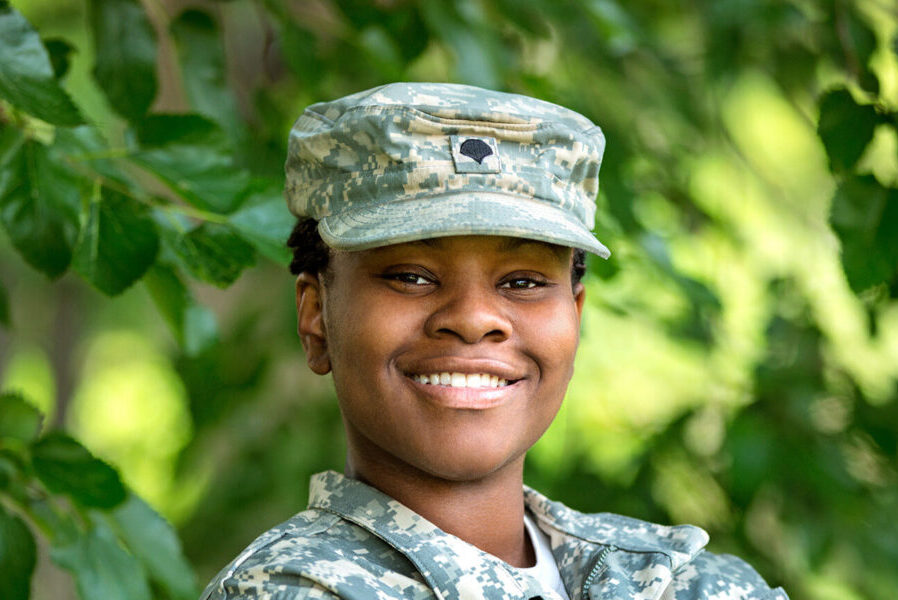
(354, 353)
(363, 344)
(350, 332)
(553, 334)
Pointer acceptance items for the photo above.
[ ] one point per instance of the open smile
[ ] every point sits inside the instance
(466, 391)
(462, 380)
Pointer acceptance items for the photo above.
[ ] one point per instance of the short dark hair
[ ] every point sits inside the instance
(311, 254)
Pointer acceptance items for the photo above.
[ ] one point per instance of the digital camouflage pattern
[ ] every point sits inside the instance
(407, 161)
(354, 542)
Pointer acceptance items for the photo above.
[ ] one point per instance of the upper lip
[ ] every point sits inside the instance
(469, 366)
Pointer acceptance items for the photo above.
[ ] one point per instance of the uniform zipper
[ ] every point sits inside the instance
(593, 573)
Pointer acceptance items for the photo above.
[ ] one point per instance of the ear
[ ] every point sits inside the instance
(579, 298)
(310, 322)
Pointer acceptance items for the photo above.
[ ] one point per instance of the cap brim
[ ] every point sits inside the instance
(468, 213)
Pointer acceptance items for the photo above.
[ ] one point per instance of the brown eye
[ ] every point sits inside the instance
(407, 278)
(522, 283)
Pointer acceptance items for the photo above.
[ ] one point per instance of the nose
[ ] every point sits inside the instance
(471, 313)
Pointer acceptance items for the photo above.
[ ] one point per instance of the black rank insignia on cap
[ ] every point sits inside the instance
(475, 154)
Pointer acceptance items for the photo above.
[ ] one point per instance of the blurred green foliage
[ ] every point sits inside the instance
(740, 349)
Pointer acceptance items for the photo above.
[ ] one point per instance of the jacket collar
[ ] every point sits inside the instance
(457, 570)
(454, 569)
(611, 556)
(679, 543)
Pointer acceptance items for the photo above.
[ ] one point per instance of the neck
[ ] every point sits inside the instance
(487, 512)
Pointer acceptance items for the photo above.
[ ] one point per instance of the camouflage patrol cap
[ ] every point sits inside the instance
(409, 161)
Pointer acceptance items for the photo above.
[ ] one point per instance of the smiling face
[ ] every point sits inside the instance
(450, 356)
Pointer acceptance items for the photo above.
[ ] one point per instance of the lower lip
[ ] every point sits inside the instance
(465, 398)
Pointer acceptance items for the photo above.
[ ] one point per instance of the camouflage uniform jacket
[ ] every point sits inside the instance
(354, 542)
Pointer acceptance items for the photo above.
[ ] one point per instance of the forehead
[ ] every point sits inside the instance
(483, 245)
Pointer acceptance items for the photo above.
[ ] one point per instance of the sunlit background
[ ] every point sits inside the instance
(725, 292)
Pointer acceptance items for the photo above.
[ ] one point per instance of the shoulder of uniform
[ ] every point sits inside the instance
(723, 577)
(292, 539)
(316, 554)
(696, 573)
(680, 543)
(303, 590)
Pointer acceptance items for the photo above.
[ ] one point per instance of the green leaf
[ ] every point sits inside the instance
(476, 55)
(204, 177)
(102, 568)
(118, 244)
(193, 325)
(188, 152)
(59, 51)
(214, 253)
(845, 128)
(865, 217)
(67, 467)
(18, 555)
(299, 51)
(614, 25)
(858, 45)
(401, 25)
(360, 13)
(704, 305)
(39, 205)
(9, 468)
(203, 68)
(61, 526)
(153, 541)
(265, 222)
(86, 146)
(11, 140)
(528, 15)
(27, 79)
(4, 307)
(18, 418)
(125, 45)
(381, 50)
(161, 130)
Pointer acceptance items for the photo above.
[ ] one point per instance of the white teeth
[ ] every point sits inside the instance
(469, 380)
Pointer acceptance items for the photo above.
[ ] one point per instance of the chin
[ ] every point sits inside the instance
(471, 466)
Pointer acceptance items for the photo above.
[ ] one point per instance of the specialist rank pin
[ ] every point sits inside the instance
(475, 154)
(476, 149)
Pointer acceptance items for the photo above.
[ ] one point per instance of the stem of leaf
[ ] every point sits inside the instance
(196, 213)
